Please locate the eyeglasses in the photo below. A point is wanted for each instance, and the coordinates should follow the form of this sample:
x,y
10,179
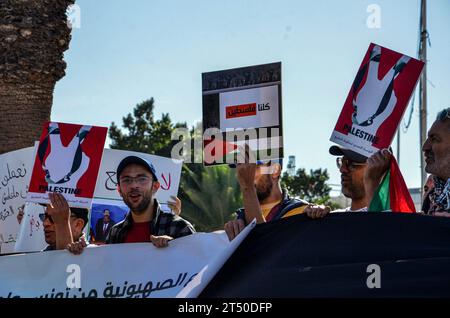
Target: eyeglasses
x,y
142,180
444,114
43,216
351,165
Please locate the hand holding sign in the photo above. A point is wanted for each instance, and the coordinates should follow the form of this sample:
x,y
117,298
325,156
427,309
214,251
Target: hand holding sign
x,y
161,241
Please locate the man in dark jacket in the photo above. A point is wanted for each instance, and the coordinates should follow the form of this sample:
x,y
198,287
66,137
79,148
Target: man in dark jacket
x,y
137,185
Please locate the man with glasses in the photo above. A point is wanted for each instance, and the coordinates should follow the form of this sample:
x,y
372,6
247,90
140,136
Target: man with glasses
x,y
137,185
62,225
352,166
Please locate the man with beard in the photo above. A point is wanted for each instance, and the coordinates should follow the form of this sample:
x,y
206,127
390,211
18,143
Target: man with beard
x,y
352,167
436,149
137,185
264,199
437,157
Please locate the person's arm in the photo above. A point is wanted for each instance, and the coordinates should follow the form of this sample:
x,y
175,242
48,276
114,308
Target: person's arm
x,y
246,177
60,212
377,165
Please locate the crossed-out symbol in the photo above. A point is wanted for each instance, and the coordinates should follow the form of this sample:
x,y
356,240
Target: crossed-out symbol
x,y
111,181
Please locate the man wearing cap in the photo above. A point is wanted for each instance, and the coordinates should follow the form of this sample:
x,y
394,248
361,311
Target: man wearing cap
x,y
264,199
137,185
62,225
352,166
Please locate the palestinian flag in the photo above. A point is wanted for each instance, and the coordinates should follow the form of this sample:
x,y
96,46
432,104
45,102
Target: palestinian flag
x,y
392,194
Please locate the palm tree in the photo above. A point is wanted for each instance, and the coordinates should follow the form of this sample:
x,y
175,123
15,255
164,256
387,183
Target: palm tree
x,y
33,37
212,197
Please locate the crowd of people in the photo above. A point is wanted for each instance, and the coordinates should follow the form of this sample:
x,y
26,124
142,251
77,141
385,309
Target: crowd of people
x,y
263,197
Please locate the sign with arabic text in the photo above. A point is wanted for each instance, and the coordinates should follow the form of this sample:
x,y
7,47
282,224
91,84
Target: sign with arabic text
x,y
137,270
15,172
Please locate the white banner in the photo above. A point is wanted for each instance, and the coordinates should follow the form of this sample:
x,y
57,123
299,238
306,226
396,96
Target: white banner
x,y
249,108
168,172
137,270
15,173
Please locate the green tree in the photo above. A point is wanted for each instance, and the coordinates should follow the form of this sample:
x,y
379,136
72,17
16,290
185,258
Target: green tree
x,y
144,133
311,187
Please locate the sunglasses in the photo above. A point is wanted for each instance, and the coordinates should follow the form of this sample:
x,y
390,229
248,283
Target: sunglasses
x,y
44,216
351,165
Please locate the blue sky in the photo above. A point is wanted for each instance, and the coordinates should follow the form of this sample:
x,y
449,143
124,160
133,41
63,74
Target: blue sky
x,y
128,51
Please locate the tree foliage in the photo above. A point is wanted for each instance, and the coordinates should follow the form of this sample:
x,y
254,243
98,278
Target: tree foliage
x,y
311,186
144,133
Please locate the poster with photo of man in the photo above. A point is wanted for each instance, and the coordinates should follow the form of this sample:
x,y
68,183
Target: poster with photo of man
x,y
242,105
377,100
103,218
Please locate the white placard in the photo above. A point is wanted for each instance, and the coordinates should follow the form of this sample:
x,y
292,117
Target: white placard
x,y
249,108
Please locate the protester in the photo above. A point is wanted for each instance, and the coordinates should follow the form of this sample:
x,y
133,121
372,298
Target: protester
x,y
264,199
62,225
137,185
436,150
352,167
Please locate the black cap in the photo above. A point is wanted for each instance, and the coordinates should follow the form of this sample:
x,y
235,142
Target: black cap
x,y
138,161
350,154
81,213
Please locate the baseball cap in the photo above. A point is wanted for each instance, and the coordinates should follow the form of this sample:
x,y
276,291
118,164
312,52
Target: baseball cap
x,y
136,160
350,154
